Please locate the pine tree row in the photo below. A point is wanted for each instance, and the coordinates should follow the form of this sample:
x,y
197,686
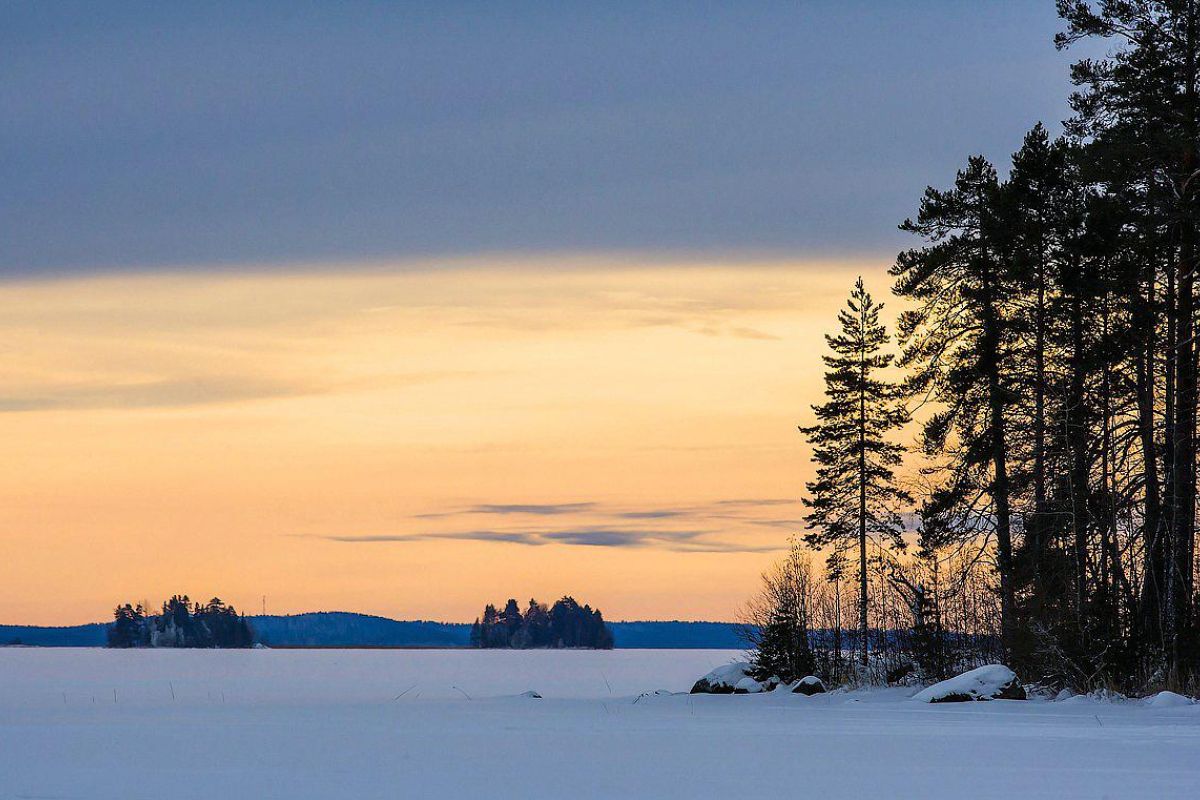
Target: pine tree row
x,y
1047,357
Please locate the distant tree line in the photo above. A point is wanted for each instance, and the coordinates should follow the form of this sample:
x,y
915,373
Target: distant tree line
x,y
565,624
180,624
1048,359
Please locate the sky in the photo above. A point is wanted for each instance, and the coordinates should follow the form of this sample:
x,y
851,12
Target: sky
x,y
407,307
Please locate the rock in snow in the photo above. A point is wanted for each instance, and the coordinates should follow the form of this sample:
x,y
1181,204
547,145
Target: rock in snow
x,y
809,685
1168,700
747,685
992,682
725,679
530,694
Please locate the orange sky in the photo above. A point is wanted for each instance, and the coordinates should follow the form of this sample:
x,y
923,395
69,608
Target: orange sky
x,y
410,440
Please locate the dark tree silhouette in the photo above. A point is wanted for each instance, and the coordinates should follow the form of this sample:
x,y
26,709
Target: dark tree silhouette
x,y
565,624
181,624
855,495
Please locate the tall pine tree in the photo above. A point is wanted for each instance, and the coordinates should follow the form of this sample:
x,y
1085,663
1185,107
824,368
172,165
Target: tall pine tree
x,y
958,340
855,496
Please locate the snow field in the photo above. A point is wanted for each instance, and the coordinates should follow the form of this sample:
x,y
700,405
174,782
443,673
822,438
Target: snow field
x,y
452,724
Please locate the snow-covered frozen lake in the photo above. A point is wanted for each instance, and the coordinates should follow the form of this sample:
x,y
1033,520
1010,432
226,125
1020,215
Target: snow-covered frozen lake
x,y
449,724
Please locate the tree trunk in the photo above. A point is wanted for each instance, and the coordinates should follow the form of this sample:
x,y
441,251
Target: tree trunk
x,y
1038,529
999,456
1154,565
1076,425
862,512
1184,476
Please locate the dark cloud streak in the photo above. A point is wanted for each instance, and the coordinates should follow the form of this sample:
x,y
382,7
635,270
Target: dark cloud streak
x,y
601,526
538,509
696,541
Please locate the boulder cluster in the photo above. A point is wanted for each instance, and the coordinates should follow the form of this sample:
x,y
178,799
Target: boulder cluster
x,y
991,682
735,678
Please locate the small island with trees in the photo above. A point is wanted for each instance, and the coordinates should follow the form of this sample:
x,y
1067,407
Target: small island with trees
x,y
562,625
180,624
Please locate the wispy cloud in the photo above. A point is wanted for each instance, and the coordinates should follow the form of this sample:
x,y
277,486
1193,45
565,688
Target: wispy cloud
x,y
605,524
718,508
664,513
512,509
539,509
509,537
790,524
738,332
608,537
192,390
170,393
387,537
756,501
696,541
754,333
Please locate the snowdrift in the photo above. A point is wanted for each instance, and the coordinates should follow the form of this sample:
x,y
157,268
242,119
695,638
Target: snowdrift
x,y
723,680
809,685
1169,700
732,679
991,682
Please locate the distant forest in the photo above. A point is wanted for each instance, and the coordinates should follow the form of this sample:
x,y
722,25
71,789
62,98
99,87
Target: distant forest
x,y
181,624
565,624
345,629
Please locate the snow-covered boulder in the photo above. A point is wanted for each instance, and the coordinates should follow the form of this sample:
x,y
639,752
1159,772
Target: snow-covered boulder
x,y
1169,700
724,679
809,685
748,685
992,682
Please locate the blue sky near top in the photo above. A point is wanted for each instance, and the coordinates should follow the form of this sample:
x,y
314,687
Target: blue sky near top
x,y
159,135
